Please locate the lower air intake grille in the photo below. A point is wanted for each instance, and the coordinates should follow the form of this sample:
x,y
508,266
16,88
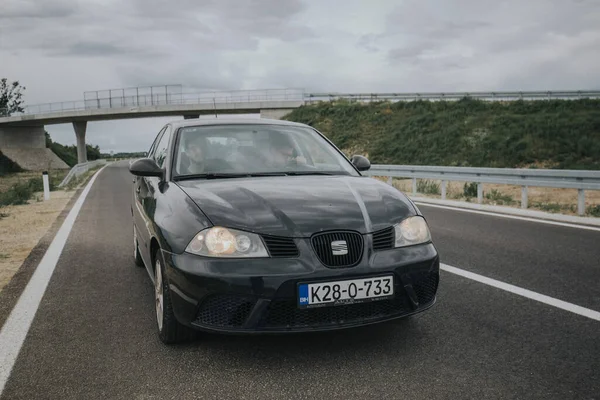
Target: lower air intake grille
x,y
281,246
286,314
225,310
338,249
425,286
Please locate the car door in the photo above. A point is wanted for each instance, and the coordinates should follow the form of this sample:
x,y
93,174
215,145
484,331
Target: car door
x,y
149,190
140,193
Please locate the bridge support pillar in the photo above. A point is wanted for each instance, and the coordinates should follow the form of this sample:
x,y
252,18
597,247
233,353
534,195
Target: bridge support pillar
x,y
80,128
277,113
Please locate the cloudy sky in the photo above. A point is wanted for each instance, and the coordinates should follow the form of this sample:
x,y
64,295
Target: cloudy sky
x,y
59,49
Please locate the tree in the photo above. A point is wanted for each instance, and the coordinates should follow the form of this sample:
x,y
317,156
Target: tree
x,y
10,97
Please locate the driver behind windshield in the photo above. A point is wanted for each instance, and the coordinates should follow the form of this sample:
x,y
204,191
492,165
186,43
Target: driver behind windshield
x,y
282,152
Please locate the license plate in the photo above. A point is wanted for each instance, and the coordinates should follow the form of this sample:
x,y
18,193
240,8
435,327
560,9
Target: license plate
x,y
346,291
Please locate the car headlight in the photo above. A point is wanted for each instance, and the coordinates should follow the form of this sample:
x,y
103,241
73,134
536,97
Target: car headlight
x,y
411,231
223,242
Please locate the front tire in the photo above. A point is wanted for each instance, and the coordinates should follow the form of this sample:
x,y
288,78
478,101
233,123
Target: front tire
x,y
170,331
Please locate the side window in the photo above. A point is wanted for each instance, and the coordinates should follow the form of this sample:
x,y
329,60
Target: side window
x,y
155,142
160,152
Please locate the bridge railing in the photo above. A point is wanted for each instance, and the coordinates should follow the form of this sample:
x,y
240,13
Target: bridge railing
x,y
140,99
567,179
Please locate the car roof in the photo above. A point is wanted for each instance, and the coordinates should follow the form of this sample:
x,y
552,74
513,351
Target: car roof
x,y
231,121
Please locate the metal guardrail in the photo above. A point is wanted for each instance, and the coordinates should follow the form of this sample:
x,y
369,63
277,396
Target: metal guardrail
x,y
496,95
174,94
568,179
80,169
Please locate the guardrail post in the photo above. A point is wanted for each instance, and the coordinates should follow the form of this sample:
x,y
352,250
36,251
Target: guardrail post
x,y
580,201
443,190
414,186
479,193
389,180
523,196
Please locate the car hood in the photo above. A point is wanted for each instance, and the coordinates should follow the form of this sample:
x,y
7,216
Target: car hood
x,y
299,206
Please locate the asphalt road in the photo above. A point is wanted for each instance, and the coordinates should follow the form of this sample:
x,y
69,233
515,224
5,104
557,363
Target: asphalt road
x,y
94,333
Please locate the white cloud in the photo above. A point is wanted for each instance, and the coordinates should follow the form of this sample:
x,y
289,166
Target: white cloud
x,y
61,48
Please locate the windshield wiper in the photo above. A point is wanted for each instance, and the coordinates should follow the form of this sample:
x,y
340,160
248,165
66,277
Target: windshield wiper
x,y
211,175
311,173
224,175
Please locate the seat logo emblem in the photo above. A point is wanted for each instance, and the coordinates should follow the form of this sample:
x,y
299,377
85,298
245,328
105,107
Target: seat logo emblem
x,y
339,247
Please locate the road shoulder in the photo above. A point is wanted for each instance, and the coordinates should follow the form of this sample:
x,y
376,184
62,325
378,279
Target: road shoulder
x,y
10,294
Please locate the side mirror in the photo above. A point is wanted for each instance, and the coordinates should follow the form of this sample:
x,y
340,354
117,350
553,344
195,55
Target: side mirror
x,y
145,167
361,163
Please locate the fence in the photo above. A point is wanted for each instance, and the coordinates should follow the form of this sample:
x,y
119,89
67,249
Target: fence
x,y
162,95
568,179
80,169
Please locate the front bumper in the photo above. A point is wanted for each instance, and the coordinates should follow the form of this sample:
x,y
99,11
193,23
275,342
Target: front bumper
x,y
251,296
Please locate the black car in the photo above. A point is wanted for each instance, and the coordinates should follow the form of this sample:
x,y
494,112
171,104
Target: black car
x,y
256,226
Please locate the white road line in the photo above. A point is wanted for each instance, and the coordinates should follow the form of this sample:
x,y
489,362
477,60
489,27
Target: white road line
x,y
14,331
542,221
586,312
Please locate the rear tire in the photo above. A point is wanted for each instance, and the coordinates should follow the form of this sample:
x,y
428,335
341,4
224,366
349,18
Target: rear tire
x,y
170,331
136,250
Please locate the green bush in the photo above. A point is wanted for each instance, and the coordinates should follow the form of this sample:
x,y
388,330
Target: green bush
x,y
497,196
69,153
426,186
470,189
37,184
19,193
594,211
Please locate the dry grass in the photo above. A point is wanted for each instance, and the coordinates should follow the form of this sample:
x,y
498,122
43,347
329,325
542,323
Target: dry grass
x,y
23,227
7,181
539,198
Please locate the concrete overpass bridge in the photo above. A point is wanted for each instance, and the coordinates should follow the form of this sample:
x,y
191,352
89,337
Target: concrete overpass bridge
x,y
22,136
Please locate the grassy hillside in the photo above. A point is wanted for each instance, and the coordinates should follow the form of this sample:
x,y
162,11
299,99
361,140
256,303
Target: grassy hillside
x,y
544,134
69,153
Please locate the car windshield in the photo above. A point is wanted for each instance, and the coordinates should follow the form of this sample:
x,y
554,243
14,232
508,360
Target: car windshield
x,y
214,151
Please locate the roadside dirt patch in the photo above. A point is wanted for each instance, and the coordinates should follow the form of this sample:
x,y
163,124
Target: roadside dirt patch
x,y
21,228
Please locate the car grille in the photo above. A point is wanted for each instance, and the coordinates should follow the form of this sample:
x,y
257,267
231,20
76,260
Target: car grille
x,y
225,310
281,246
286,314
384,239
322,245
425,286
